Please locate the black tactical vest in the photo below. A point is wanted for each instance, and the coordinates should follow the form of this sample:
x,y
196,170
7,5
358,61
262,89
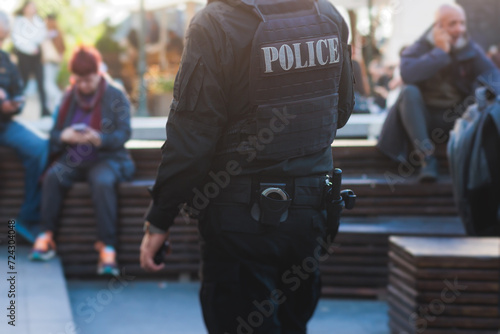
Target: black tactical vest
x,y
295,70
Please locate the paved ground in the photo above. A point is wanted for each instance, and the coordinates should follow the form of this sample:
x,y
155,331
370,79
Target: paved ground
x,y
38,292
131,307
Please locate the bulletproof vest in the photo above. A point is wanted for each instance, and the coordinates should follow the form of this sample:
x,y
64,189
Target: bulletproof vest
x,y
295,68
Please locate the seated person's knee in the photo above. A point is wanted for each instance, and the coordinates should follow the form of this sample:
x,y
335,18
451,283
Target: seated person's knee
x,y
103,180
57,174
411,92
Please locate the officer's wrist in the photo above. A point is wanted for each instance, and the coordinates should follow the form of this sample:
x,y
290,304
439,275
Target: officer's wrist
x,y
160,218
151,229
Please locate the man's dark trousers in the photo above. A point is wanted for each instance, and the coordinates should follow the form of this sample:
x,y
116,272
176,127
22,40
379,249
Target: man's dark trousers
x,y
420,120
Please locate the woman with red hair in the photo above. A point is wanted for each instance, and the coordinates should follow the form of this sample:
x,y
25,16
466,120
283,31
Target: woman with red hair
x,y
87,143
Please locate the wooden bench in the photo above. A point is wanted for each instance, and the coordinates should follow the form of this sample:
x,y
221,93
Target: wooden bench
x,y
374,177
444,285
358,266
356,157
375,198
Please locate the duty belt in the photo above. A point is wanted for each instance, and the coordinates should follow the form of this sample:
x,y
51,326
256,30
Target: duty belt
x,y
269,198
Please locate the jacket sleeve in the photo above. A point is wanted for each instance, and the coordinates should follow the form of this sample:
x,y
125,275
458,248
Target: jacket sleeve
x,y
115,132
419,63
197,117
346,86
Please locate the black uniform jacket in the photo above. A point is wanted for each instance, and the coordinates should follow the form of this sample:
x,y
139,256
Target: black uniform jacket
x,y
212,87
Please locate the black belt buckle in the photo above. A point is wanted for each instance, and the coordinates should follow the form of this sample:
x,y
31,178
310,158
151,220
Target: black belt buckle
x,y
272,206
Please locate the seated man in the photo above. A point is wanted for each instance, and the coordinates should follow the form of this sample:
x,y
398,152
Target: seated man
x,y
440,72
31,147
87,143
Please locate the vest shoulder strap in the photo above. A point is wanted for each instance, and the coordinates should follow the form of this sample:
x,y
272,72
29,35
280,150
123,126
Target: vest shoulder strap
x,y
280,9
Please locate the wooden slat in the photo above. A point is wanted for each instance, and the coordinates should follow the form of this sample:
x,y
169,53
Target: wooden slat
x,y
447,284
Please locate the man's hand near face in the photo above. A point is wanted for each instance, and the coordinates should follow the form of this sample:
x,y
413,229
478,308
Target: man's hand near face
x,y
442,39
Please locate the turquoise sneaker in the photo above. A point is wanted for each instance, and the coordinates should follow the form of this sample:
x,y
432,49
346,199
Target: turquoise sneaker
x,y
107,262
44,248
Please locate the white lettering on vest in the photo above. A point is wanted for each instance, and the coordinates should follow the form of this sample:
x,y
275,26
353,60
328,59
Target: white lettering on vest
x,y
310,47
270,56
320,52
298,56
333,44
286,57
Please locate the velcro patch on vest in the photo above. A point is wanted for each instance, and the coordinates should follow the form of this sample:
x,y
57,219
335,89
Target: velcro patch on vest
x,y
306,54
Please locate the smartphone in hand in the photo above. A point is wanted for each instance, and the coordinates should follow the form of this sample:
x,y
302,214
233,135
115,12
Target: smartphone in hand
x,y
159,257
80,127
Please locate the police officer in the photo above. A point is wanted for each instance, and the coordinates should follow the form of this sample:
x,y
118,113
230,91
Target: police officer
x,y
263,87
31,147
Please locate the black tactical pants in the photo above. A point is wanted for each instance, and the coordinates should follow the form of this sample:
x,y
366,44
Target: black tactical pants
x,y
258,279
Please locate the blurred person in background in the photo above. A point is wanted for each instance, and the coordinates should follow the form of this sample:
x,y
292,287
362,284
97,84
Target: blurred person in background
x,y
30,146
28,34
381,76
87,143
152,28
175,48
439,71
53,50
396,83
362,83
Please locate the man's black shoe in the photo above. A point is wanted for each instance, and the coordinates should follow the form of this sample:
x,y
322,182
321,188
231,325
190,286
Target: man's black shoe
x,y
429,172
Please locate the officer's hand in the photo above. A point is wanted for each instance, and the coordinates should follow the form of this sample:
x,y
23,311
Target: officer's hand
x,y
151,244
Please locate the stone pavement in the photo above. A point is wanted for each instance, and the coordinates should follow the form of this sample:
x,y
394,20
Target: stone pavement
x,y
41,298
130,307
47,304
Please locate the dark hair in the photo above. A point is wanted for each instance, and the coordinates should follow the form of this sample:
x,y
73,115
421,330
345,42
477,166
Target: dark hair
x,y
20,10
85,60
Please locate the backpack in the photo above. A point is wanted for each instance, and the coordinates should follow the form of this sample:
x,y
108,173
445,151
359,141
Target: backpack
x,y
474,156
